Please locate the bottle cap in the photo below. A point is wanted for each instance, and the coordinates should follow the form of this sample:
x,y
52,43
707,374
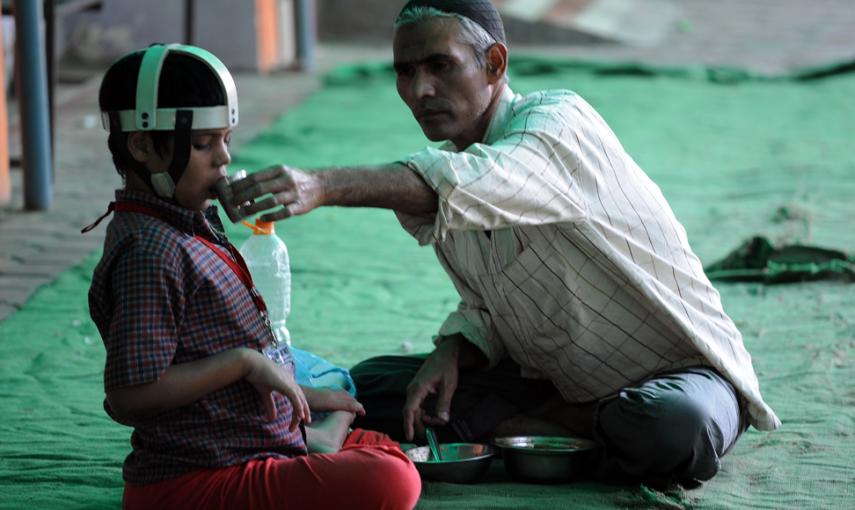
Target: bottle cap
x,y
261,228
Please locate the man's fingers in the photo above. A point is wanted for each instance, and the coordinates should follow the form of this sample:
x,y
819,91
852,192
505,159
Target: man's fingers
x,y
411,416
273,195
433,421
419,425
443,400
408,424
260,205
260,184
256,190
413,407
284,198
281,214
257,177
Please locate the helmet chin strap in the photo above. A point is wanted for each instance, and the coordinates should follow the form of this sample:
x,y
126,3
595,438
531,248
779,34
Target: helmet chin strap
x,y
163,183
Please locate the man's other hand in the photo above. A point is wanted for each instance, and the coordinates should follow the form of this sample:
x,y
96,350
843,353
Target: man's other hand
x,y
437,375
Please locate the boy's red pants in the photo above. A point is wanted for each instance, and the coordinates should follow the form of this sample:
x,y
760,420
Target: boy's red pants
x,y
369,472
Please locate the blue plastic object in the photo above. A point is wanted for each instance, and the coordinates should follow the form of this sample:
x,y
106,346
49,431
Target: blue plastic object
x,y
317,372
312,370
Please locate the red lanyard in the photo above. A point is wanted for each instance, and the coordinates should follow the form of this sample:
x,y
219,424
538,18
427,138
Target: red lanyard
x,y
238,268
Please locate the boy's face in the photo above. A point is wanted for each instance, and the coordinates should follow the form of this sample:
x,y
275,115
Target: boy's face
x,y
209,157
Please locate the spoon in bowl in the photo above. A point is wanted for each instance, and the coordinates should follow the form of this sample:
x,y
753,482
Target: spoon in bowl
x,y
433,443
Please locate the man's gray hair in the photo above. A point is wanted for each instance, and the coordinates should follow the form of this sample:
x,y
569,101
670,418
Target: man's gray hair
x,y
471,33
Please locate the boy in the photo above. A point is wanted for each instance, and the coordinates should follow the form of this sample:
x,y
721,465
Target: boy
x,y
217,424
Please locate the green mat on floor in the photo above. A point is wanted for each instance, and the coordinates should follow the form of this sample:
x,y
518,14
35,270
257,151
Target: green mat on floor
x,y
737,155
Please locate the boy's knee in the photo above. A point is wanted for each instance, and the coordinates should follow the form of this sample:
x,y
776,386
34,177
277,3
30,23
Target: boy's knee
x,y
409,484
392,483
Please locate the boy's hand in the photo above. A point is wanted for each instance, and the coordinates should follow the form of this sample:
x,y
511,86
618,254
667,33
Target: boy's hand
x,y
327,399
268,378
296,191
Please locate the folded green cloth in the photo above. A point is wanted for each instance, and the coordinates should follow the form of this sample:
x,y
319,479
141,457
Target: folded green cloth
x,y
757,260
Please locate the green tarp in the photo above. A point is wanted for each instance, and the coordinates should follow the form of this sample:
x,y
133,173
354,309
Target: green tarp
x,y
737,155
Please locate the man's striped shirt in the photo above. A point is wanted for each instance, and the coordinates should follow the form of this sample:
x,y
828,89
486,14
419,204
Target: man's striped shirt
x,y
568,258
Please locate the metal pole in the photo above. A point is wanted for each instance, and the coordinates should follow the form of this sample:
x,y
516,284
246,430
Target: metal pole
x,y
189,18
33,101
5,178
306,34
50,46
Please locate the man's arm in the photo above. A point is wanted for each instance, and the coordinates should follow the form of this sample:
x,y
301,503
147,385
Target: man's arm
x,y
392,186
184,383
467,354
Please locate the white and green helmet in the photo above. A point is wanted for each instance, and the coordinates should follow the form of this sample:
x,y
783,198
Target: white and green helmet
x,y
148,116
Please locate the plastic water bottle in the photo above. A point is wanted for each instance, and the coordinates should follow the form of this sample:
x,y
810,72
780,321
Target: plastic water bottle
x,y
267,259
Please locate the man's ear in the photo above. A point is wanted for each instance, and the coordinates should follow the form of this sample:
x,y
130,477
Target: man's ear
x,y
497,62
140,146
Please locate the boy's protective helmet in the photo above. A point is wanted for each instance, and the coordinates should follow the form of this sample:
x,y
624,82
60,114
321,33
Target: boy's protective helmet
x,y
147,116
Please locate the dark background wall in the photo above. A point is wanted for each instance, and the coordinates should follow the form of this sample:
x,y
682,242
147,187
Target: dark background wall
x,y
371,23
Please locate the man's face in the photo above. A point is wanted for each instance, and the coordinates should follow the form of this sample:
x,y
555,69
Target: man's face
x,y
440,81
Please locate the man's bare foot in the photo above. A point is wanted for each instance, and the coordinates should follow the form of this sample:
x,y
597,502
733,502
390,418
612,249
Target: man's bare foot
x,y
327,435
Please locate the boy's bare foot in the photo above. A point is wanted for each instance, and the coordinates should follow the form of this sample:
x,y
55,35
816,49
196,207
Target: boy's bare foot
x,y
326,399
327,435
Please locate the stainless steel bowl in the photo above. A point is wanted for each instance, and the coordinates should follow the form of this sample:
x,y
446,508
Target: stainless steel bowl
x,y
461,462
545,459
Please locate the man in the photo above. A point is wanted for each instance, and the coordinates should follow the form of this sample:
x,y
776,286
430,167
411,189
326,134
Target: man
x,y
583,309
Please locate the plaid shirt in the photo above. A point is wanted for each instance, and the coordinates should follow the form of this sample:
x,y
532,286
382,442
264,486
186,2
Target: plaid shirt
x,y
161,297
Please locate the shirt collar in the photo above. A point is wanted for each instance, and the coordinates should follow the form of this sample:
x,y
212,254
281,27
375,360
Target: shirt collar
x,y
500,116
496,126
192,222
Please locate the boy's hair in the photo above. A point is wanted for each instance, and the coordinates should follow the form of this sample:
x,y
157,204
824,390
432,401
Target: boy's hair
x,y
184,82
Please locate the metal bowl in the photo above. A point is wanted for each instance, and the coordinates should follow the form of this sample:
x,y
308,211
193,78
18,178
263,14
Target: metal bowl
x,y
461,462
545,459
